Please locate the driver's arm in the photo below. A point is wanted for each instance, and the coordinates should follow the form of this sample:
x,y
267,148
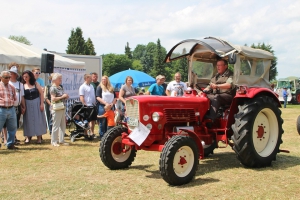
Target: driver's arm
x,y
224,86
227,85
208,87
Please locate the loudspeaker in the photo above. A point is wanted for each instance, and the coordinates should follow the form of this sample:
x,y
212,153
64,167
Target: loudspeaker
x,y
47,64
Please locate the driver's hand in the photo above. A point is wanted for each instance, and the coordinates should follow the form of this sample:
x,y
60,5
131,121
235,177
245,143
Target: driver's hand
x,y
204,91
213,86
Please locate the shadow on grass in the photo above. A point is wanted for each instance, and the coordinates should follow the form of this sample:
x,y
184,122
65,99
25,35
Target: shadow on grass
x,y
139,167
23,148
155,174
218,162
228,160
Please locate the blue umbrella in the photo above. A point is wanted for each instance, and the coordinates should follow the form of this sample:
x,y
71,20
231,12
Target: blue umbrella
x,y
140,79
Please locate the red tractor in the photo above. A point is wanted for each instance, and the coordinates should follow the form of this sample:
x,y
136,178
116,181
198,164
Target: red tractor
x,y
175,126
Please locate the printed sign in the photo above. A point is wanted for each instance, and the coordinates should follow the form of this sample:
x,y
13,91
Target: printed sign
x,y
72,79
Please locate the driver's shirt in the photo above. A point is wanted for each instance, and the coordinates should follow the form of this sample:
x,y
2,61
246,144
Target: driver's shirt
x,y
226,77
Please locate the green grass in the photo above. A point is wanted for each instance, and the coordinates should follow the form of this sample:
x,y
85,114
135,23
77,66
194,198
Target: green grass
x,y
76,172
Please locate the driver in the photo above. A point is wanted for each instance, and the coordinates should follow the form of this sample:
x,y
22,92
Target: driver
x,y
219,90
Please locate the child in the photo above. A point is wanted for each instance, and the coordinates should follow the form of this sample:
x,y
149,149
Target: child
x,y
79,121
110,116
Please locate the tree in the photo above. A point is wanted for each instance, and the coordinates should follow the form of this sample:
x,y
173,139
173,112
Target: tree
x,y
90,49
20,38
128,52
158,64
147,59
114,63
137,65
139,51
273,68
76,43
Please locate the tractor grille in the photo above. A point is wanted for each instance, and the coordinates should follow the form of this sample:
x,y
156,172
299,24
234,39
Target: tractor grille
x,y
132,110
180,115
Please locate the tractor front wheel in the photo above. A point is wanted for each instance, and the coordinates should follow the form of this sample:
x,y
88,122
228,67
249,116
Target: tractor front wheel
x,y
113,154
257,132
178,161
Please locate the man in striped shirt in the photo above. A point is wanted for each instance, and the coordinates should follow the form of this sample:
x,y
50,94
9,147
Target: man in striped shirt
x,y
7,109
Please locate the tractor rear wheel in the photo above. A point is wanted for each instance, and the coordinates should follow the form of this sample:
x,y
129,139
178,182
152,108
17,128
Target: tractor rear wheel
x,y
298,124
178,161
111,152
257,132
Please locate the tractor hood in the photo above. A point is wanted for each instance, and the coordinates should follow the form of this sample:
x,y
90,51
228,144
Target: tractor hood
x,y
187,99
150,103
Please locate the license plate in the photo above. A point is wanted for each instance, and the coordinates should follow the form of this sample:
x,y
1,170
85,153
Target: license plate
x,y
133,122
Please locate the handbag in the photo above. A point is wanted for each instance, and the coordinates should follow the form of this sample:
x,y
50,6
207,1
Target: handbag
x,y
58,106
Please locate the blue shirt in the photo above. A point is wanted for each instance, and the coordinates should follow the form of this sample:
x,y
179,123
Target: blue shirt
x,y
285,93
41,82
156,89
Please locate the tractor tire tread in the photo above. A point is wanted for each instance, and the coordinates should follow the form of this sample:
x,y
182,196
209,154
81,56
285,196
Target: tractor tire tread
x,y
166,160
242,132
105,149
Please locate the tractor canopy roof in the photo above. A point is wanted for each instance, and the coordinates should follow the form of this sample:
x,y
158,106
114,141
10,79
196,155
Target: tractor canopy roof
x,y
210,48
251,66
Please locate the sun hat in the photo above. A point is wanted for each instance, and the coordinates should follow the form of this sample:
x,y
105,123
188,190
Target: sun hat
x,y
14,69
160,77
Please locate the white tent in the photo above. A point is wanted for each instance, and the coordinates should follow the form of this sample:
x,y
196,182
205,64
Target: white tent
x,y
29,56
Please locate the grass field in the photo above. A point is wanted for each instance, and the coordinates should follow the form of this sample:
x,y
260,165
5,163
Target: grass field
x,y
76,172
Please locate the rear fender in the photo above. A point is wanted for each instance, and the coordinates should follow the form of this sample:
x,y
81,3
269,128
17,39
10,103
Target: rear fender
x,y
251,93
193,135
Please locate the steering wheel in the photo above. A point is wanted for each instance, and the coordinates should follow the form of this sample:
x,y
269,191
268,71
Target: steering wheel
x,y
199,88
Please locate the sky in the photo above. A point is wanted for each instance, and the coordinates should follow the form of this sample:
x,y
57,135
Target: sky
x,y
111,24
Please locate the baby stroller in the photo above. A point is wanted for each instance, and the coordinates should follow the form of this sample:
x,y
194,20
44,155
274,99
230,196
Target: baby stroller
x,y
77,115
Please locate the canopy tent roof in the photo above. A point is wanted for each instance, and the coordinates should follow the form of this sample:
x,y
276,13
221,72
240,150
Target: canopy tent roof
x,y
12,51
140,79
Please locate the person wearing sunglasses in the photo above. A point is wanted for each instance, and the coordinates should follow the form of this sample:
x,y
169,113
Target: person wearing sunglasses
x,y
7,109
36,72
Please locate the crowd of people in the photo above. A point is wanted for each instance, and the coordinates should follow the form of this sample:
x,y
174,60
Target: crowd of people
x,y
27,95
44,106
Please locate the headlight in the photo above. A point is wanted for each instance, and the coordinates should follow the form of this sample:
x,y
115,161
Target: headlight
x,y
155,116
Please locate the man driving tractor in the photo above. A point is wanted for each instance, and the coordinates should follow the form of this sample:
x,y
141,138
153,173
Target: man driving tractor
x,y
219,91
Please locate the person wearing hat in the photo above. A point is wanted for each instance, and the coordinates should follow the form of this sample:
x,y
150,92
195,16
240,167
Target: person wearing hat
x,y
19,103
7,110
157,88
285,94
